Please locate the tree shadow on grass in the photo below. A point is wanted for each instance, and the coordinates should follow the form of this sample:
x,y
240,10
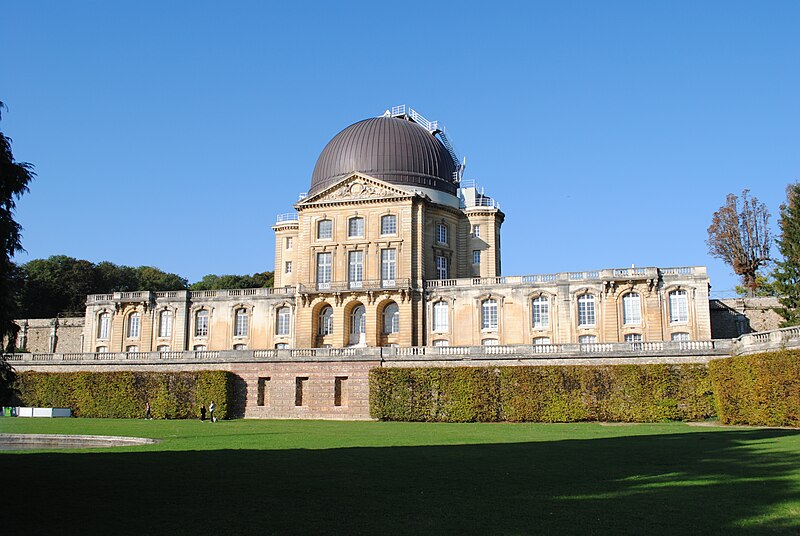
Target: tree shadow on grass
x,y
707,482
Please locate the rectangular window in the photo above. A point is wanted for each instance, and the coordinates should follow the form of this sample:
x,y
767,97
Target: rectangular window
x,y
162,348
441,267
355,228
586,310
441,342
263,392
389,224
325,229
133,326
388,266
200,348
633,337
631,309
324,270
541,340
240,347
489,314
299,385
339,394
289,242
678,306
541,312
132,348
165,324
680,336
476,257
288,267
490,342
240,329
440,313
284,320
441,233
201,324
355,271
102,349
281,346
476,231
587,339
104,328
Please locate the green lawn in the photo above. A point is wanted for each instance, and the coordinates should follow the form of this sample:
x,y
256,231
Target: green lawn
x,y
313,477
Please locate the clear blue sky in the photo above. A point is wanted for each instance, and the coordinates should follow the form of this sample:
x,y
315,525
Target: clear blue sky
x,y
172,133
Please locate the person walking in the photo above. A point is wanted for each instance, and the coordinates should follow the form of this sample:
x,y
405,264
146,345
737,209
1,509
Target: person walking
x,y
147,411
203,412
211,408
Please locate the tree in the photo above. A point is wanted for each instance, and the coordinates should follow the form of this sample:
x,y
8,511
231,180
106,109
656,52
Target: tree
x,y
787,270
739,235
217,282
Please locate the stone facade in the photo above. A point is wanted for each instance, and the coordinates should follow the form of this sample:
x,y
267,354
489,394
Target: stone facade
x,y
738,316
50,334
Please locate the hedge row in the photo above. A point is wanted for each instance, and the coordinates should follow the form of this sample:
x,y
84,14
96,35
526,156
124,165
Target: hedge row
x,y
760,389
172,395
622,393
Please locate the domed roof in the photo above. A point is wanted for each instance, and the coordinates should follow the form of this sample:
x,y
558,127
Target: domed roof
x,y
392,149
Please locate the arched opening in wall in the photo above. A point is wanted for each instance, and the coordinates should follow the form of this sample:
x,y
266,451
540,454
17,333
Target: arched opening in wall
x,y
322,325
389,323
358,325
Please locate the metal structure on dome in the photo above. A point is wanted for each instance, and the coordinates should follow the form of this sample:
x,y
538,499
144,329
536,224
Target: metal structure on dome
x,y
407,112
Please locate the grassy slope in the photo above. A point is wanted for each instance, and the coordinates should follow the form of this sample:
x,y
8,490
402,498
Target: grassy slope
x,y
310,477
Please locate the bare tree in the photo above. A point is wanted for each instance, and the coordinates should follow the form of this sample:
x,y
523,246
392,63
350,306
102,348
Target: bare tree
x,y
739,235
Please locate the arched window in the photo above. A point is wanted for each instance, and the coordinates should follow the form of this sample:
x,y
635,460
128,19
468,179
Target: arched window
x,y
391,319
284,317
489,314
633,337
134,322
540,308
165,324
440,314
162,348
103,325
490,342
680,336
355,228
586,310
326,320
201,323
631,309
358,320
678,306
587,339
240,322
324,229
389,224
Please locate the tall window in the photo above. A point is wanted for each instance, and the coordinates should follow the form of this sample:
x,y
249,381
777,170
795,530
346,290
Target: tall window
x,y
476,231
288,268
476,256
631,309
240,323
540,308
103,325
358,320
489,314
165,324
289,242
441,267
391,319
389,224
355,272
441,233
326,320
134,321
325,229
440,313
678,306
201,323
324,270
355,227
586,310
388,265
284,317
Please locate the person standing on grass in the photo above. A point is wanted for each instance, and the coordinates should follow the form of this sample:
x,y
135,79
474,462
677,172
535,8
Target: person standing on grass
x,y
203,412
211,408
147,411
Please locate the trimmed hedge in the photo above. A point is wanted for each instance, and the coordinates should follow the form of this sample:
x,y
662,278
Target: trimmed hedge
x,y
759,389
621,393
172,395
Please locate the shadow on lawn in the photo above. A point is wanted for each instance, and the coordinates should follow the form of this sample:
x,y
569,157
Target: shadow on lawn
x,y
704,482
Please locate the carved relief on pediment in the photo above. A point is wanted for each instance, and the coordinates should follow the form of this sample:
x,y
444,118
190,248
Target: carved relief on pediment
x,y
361,189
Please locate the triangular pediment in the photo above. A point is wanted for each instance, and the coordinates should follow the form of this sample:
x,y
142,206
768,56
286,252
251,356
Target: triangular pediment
x,y
357,187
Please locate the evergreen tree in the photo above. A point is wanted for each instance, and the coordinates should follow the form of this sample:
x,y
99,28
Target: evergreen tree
x,y
787,270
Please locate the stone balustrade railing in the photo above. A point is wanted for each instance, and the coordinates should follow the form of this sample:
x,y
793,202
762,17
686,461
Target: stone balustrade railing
x,y
144,295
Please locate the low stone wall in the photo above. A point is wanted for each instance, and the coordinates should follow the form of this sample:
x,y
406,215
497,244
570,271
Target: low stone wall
x,y
733,317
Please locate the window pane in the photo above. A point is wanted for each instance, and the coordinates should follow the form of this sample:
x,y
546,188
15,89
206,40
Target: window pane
x,y
680,336
165,324
391,319
476,231
104,325
388,264
355,227
489,314
284,320
476,257
358,320
441,233
355,273
326,321
201,324
678,306
133,325
440,310
541,340
633,337
441,267
587,339
325,229
324,269
389,224
586,310
541,312
632,309
240,329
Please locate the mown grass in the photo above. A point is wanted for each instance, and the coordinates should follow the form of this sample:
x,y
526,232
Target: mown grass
x,y
314,477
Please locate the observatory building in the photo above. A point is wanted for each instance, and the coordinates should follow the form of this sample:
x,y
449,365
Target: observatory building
x,y
390,247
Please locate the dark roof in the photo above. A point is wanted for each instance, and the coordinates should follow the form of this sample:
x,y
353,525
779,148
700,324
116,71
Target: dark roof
x,y
388,148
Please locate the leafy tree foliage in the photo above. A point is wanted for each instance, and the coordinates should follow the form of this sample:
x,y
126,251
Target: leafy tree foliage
x,y
765,287
14,179
787,270
216,282
60,284
739,235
